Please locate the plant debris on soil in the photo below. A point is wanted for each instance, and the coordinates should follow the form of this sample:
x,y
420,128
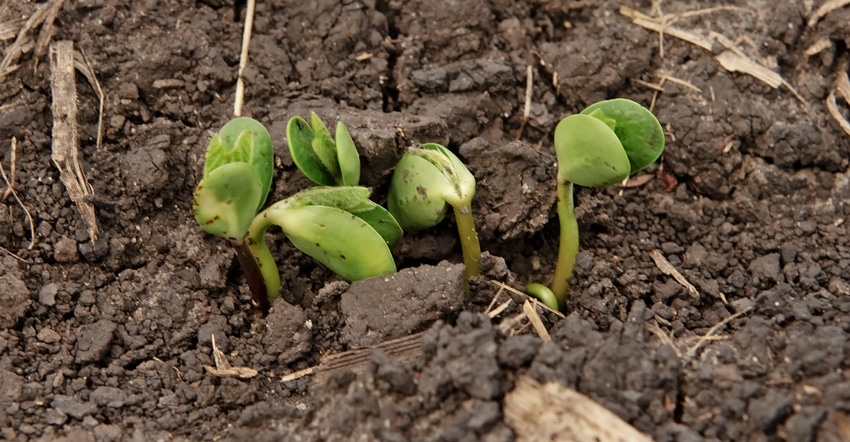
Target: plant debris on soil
x,y
711,298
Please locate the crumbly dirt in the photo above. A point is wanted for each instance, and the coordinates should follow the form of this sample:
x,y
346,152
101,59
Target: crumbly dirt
x,y
108,341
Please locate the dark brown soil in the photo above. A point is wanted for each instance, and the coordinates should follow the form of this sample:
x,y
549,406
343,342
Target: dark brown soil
x,y
108,341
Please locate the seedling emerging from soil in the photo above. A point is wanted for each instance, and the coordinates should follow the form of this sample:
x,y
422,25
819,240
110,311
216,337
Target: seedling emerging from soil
x,y
237,176
238,171
338,226
425,183
326,161
601,146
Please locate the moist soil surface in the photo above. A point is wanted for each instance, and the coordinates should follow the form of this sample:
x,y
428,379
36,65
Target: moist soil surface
x,y
108,339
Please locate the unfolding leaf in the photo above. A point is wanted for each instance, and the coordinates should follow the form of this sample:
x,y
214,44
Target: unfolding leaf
x,y
226,200
589,152
324,160
343,242
636,127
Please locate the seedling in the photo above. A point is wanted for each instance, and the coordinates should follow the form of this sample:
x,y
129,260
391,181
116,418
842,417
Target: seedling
x,y
339,227
601,146
425,183
238,171
324,160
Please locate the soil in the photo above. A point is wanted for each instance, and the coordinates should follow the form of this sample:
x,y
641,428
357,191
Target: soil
x,y
108,340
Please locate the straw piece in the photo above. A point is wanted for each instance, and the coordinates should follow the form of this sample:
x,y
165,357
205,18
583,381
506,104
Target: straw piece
x,y
64,150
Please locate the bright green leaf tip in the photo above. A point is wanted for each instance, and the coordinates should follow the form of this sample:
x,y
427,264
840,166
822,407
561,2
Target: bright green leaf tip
x,y
324,160
636,127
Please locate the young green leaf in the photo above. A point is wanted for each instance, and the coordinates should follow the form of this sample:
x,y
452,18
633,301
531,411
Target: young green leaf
x,y
425,182
354,200
344,243
601,146
225,201
325,161
637,129
347,155
238,171
337,226
589,152
244,140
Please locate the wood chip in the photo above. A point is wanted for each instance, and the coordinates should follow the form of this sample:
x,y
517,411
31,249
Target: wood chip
x,y
552,412
223,369
65,142
168,83
363,56
668,269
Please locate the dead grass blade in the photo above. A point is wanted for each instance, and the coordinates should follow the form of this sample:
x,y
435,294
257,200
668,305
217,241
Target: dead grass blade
x,y
732,59
223,368
710,334
526,110
668,269
82,64
243,58
536,322
525,295
44,15
9,28
65,149
405,350
825,9
842,87
10,190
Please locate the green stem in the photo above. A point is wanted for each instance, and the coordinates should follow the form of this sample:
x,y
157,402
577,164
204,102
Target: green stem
x,y
468,242
568,248
254,276
256,242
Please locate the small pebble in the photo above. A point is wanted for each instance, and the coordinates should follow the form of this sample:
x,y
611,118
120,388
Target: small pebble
x,y
48,335
47,294
65,250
